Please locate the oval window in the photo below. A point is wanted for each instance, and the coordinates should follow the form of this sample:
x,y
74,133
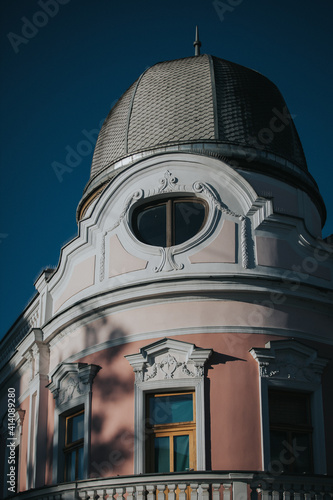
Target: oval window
x,y
169,222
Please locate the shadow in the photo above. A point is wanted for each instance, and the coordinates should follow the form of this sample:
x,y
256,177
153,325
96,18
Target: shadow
x,y
110,456
215,359
218,359
208,432
250,244
11,461
112,425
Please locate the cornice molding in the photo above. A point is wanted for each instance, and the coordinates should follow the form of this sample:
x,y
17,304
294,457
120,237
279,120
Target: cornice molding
x,y
71,380
168,359
289,360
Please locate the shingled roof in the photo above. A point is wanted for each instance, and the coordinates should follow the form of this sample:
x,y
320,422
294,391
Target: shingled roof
x,y
196,99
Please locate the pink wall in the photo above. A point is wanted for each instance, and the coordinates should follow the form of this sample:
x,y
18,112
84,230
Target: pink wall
x,y
112,413
232,391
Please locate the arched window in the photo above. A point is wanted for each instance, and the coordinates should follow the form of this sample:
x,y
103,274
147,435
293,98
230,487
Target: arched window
x,y
169,221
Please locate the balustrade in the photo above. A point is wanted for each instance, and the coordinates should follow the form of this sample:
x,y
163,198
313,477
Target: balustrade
x,y
190,486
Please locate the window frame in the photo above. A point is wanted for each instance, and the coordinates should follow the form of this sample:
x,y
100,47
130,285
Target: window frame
x,y
292,429
274,361
170,202
170,430
71,386
73,446
189,376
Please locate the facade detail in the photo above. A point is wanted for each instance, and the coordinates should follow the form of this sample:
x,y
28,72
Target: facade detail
x,y
71,386
168,365
182,348
289,360
291,366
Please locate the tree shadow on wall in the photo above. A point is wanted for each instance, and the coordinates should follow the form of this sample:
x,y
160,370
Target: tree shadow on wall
x,y
112,428
215,359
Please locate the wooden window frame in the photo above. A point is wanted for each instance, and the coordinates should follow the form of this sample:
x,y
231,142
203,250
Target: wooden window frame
x,y
73,446
171,430
169,203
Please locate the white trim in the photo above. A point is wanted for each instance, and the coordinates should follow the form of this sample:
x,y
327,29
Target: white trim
x,y
32,438
71,386
186,373
232,330
122,298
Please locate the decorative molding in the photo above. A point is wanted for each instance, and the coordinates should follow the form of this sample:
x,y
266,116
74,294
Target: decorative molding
x,y
290,365
129,202
72,380
169,183
203,187
168,262
20,414
289,360
71,386
168,359
167,368
168,365
19,419
102,258
28,321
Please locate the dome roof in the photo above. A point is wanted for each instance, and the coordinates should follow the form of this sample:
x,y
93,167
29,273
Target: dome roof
x,y
200,98
201,104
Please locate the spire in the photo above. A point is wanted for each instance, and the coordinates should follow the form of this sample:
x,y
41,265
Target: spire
x,y
197,43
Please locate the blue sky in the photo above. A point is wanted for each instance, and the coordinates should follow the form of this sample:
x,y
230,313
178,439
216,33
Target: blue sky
x,y
61,78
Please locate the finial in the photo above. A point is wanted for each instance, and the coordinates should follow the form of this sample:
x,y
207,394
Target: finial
x,y
197,43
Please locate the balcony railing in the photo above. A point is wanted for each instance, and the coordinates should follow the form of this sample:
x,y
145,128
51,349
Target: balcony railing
x,y
190,486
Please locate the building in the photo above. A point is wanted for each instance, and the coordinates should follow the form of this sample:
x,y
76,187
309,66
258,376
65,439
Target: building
x,y
183,345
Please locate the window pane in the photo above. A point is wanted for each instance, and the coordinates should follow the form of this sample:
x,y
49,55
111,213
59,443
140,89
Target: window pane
x,y
171,409
189,217
292,451
70,466
181,449
278,448
289,408
75,428
151,226
80,464
302,445
162,454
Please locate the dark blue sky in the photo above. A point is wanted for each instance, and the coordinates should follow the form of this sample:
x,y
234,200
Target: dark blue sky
x,y
64,78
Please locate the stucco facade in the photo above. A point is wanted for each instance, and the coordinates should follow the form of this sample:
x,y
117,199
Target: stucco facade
x,y
239,310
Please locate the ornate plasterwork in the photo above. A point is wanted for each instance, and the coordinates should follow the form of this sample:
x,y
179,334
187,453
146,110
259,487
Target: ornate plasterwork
x,y
289,360
162,366
168,359
169,183
72,380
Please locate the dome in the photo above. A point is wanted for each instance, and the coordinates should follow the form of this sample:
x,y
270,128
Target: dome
x,y
201,104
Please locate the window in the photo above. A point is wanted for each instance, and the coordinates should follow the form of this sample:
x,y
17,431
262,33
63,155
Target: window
x,y
290,430
292,417
170,398
170,221
73,449
171,432
71,386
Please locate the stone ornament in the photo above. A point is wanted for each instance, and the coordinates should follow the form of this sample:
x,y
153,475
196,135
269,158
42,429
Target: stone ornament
x,y
169,183
168,359
289,360
71,380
